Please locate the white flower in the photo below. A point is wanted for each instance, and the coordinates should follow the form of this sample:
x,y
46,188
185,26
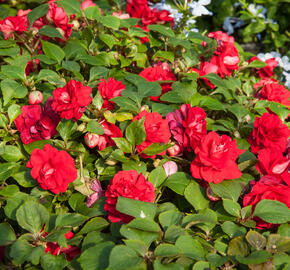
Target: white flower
x,y
198,8
256,9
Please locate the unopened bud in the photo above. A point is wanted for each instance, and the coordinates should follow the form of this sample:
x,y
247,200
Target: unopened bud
x,y
156,162
170,168
174,150
145,108
35,97
247,118
76,24
91,139
237,134
211,195
111,162
81,127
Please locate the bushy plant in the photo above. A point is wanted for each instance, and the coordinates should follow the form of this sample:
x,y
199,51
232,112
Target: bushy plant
x,y
130,140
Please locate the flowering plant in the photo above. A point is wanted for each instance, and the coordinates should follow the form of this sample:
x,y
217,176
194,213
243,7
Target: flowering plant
x,y
131,141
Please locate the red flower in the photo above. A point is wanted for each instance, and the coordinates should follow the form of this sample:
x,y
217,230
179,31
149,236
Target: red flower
x,y
215,159
105,140
273,91
71,100
52,169
128,184
158,73
267,71
156,128
187,126
36,123
110,89
226,55
206,68
269,132
267,188
272,162
16,24
54,248
35,97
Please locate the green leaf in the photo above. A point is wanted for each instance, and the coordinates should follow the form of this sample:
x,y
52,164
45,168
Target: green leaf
x,y
157,176
13,72
211,103
215,79
96,257
20,251
50,31
278,243
155,149
232,207
178,182
201,265
98,72
123,144
13,111
49,261
144,224
31,216
137,245
190,247
71,66
53,51
110,21
272,211
95,127
238,247
109,40
95,224
164,30
228,189
7,234
37,144
123,257
12,153
70,219
6,169
125,103
147,89
23,177
256,240
135,132
257,64
170,217
166,250
136,208
164,55
238,110
36,13
12,89
233,230
196,196
92,13
66,128
256,257
14,203
70,6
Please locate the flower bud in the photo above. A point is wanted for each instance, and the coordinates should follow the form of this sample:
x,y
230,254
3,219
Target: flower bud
x,y
211,195
170,168
99,192
237,134
111,162
91,139
81,127
174,150
247,118
35,97
145,108
76,24
156,162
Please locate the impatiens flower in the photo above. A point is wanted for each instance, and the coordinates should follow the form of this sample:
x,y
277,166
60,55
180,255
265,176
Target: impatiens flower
x,y
13,24
105,140
35,97
98,192
270,188
36,123
110,89
54,248
158,73
52,169
187,126
170,167
273,91
215,159
156,128
87,3
272,162
71,100
267,71
206,68
128,184
269,132
174,150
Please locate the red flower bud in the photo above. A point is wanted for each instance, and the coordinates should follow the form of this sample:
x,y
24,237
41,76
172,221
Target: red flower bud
x,y
35,97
